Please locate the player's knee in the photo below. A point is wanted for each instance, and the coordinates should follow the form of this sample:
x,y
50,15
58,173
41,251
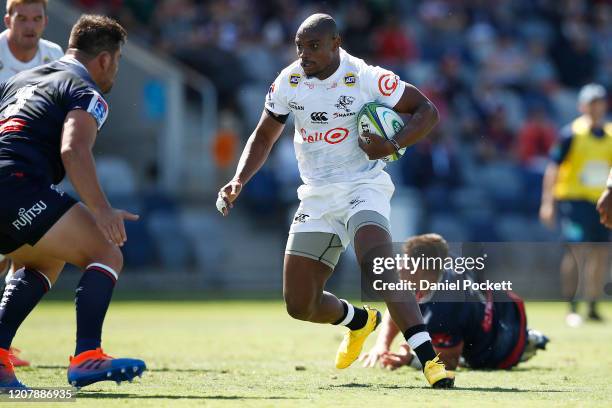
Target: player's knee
x,y
110,256
299,309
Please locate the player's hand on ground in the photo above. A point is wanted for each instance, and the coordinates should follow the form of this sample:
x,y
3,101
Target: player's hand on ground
x,y
373,356
227,195
392,361
111,223
547,214
604,206
375,146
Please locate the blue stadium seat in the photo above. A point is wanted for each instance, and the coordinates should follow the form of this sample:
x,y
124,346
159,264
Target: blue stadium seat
x,y
173,248
139,250
450,227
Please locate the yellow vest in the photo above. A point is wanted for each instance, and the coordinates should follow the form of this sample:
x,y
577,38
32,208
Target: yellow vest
x,y
584,171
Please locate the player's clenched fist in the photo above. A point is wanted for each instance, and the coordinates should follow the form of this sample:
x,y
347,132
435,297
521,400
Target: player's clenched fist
x,y
227,195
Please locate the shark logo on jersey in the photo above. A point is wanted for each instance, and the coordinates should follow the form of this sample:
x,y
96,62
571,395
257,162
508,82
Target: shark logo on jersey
x,y
344,102
98,108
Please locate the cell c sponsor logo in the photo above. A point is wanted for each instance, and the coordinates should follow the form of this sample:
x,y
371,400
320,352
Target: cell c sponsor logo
x,y
387,84
336,135
332,136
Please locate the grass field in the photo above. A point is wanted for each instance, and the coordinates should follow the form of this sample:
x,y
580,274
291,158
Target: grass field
x,y
240,353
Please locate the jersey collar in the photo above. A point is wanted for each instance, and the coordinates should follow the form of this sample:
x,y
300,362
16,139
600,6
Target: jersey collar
x,y
67,59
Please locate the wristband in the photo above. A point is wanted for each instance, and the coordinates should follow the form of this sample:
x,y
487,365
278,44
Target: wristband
x,y
396,145
609,182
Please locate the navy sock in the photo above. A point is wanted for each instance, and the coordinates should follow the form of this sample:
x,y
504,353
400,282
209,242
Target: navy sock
x,y
21,294
93,296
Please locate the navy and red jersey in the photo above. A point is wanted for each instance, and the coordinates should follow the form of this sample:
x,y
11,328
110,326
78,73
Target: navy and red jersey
x,y
491,327
33,107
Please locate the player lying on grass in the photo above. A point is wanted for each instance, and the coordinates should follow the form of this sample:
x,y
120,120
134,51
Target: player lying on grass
x,y
346,193
50,119
467,327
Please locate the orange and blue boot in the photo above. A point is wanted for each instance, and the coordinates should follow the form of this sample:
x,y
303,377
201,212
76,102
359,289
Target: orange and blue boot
x,y
92,366
8,380
16,360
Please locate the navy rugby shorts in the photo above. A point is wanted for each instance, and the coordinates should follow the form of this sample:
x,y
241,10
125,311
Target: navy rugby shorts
x,y
29,207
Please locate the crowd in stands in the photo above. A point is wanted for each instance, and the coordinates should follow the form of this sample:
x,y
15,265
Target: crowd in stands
x,y
504,75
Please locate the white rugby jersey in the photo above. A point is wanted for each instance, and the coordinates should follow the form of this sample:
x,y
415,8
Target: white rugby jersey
x,y
325,116
9,65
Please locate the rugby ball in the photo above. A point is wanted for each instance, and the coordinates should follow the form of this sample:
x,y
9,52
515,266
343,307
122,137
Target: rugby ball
x,y
380,120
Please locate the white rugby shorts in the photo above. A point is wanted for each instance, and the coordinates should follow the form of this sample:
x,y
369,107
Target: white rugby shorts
x,y
328,208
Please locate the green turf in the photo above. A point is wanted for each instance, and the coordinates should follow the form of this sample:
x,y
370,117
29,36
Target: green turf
x,y
252,354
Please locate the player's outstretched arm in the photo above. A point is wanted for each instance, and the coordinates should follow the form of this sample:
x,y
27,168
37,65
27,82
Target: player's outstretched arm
x,y
78,137
388,332
253,156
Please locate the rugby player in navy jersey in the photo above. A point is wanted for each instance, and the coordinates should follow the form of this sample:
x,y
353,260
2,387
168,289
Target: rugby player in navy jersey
x,y
479,329
22,47
49,119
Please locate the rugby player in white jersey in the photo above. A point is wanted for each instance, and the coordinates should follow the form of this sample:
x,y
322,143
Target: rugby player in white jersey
x,y
22,47
346,194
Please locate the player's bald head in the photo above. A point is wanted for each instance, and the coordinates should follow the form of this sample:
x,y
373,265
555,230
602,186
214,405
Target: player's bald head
x,y
318,45
319,24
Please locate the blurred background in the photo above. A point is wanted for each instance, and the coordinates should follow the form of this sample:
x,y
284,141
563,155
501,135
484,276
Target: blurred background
x,y
504,76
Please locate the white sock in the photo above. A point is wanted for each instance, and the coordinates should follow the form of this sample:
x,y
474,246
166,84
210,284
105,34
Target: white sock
x,y
417,339
349,314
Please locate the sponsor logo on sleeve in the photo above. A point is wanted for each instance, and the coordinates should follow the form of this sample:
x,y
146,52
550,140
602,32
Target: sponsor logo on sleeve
x,y
98,108
270,92
294,80
350,79
387,84
295,106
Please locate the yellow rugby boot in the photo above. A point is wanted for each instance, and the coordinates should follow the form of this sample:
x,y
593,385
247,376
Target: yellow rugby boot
x,y
351,345
437,375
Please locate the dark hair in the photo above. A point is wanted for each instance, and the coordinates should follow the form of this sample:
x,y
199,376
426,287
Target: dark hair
x,y
93,34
